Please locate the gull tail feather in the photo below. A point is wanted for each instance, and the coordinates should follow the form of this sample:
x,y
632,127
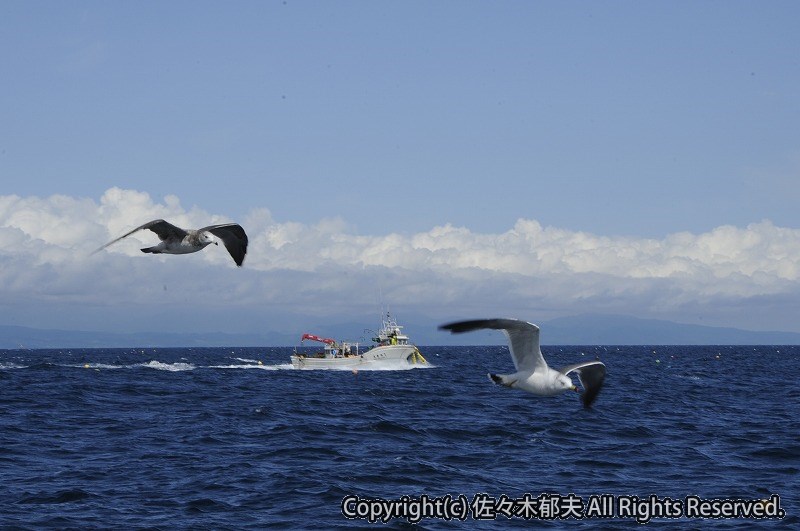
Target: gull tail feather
x,y
500,379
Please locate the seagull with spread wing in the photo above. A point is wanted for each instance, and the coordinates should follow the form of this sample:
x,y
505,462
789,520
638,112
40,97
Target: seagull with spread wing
x,y
175,240
533,374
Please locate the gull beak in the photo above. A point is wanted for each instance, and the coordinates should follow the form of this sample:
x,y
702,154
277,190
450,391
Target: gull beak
x,y
575,388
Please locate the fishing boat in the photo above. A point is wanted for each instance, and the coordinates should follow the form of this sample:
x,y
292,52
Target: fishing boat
x,y
391,346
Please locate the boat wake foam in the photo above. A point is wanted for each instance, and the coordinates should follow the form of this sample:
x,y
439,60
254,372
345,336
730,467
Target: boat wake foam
x,y
172,367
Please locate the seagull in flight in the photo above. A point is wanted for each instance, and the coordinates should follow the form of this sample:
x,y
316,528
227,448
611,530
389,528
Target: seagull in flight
x,y
175,240
533,374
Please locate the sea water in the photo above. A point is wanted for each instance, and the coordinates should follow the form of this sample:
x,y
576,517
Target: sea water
x,y
233,438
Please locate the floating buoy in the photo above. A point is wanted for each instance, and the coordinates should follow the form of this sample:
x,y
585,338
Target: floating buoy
x,y
85,365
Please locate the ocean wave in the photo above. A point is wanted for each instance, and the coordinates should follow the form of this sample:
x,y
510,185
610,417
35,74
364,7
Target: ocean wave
x,y
172,367
220,448
62,496
98,366
245,360
249,366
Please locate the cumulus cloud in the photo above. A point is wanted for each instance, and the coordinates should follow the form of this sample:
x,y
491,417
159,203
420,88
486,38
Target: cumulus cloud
x,y
326,268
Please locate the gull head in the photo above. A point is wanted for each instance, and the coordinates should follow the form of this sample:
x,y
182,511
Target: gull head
x,y
205,239
564,383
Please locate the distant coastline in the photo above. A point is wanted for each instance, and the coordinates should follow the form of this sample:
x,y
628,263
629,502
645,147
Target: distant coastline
x,y
575,330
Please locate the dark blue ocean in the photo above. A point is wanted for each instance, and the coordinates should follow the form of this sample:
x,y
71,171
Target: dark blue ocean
x,y
233,438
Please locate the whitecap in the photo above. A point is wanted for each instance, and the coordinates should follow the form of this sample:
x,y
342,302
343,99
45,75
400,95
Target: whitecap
x,y
173,367
245,360
247,366
97,366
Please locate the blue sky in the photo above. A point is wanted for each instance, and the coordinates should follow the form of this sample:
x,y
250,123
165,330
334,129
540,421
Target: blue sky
x,y
632,134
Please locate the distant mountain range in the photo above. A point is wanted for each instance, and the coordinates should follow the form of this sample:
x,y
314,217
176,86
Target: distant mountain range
x,y
624,330
23,337
576,330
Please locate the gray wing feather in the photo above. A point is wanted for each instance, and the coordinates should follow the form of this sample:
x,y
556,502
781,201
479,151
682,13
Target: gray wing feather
x,y
163,229
592,374
523,339
233,236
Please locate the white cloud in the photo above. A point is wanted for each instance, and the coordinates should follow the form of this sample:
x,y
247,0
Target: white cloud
x,y
326,269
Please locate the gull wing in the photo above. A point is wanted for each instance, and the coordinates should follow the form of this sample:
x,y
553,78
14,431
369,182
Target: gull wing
x,y
163,229
523,339
591,374
234,238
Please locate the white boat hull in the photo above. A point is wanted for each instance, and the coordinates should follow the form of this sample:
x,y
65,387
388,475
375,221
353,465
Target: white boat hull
x,y
401,354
